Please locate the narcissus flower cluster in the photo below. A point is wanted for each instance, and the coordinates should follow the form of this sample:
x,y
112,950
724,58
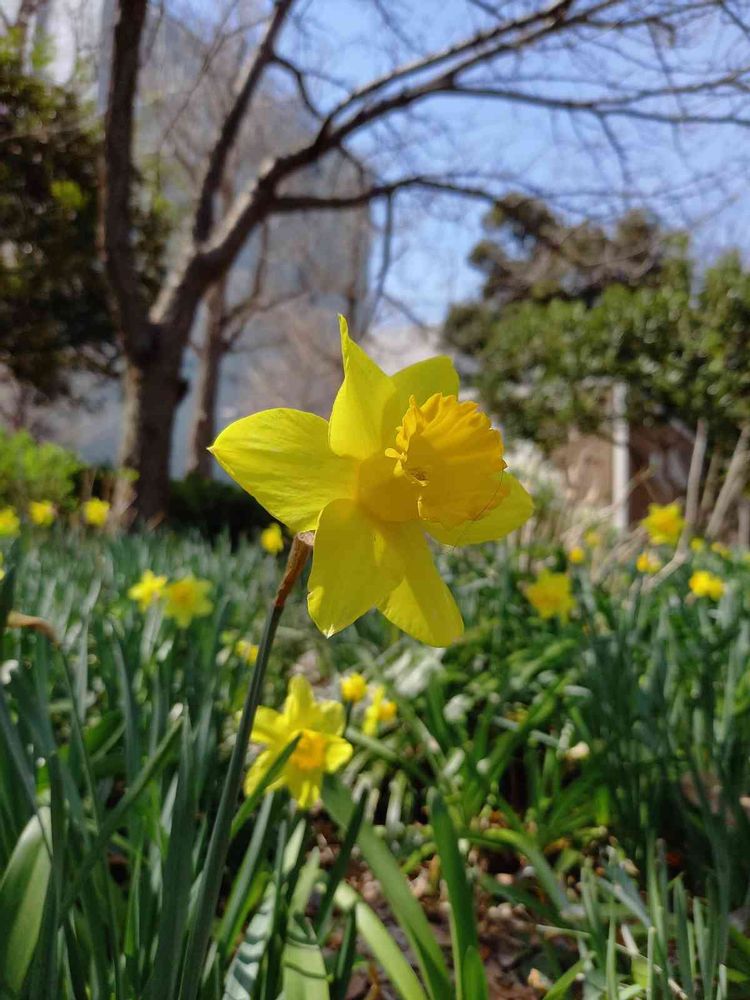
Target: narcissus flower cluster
x,y
664,523
705,584
321,748
272,539
647,562
401,459
95,512
42,513
10,523
184,599
550,595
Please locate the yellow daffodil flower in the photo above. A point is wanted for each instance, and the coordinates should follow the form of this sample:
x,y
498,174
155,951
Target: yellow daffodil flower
x,y
186,599
380,710
697,544
246,651
550,595
42,513
96,512
705,584
400,458
664,523
353,688
576,555
592,538
321,748
721,550
10,523
647,562
149,588
272,539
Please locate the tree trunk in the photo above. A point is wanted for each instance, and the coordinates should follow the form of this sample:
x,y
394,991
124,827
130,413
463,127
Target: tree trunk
x,y
151,391
203,430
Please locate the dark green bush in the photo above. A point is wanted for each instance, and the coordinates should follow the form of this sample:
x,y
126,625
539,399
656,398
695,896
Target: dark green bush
x,y
212,507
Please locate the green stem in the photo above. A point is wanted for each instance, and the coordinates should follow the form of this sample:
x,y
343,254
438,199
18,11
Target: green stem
x,y
210,885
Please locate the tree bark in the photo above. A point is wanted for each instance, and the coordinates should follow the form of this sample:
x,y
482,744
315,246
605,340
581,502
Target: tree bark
x,y
152,389
203,431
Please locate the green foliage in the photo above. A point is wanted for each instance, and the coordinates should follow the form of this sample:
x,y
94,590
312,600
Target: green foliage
x,y
679,344
54,312
213,507
33,471
625,861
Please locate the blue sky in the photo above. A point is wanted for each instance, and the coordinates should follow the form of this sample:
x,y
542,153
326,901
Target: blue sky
x,y
663,169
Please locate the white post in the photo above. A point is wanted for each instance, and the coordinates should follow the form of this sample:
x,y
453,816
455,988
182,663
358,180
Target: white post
x,y
620,456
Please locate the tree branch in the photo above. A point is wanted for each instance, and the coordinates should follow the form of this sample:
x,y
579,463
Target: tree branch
x,y
230,127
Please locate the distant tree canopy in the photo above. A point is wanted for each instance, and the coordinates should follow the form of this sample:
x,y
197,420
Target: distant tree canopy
x,y
54,313
568,310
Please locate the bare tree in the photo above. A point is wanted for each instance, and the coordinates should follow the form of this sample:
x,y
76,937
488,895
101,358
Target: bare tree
x,y
380,125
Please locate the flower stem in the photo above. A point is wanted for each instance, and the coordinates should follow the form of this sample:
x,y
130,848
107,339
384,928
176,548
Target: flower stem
x,y
210,884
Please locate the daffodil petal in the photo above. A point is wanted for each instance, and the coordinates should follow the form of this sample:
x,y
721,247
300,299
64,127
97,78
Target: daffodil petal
x,y
357,420
269,726
329,717
338,752
304,787
282,458
515,508
353,566
421,604
423,380
299,704
258,769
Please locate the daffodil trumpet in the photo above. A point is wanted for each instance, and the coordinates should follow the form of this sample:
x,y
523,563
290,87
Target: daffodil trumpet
x,y
400,460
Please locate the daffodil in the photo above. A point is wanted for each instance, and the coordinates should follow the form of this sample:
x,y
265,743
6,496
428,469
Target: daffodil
x,y
10,523
664,523
592,538
705,584
321,748
96,512
380,710
272,539
353,687
721,550
400,459
247,651
42,513
550,595
647,562
697,544
149,589
576,555
186,599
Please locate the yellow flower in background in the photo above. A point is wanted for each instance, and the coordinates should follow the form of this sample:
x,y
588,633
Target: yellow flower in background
x,y
272,539
400,459
577,555
380,710
42,513
721,550
647,562
592,538
664,523
705,584
353,688
96,512
321,748
186,599
246,651
10,523
550,595
149,588
697,544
